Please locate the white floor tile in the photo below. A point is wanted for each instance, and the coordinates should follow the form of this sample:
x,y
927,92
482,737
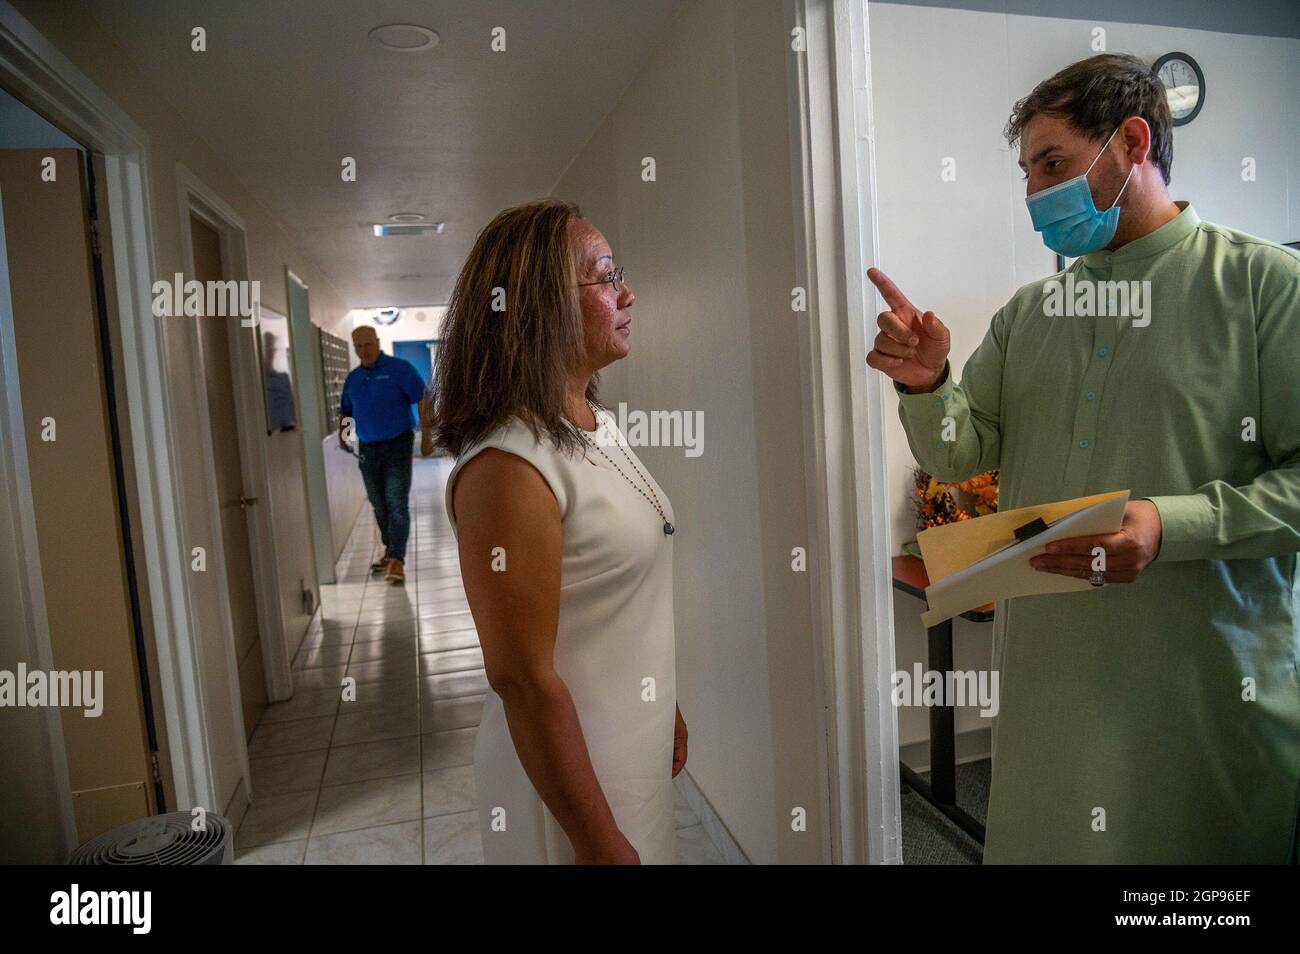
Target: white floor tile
x,y
402,629
451,660
305,704
449,685
384,758
448,640
367,804
442,714
326,677
283,853
377,723
450,790
448,749
383,695
384,670
453,840
283,738
284,774
276,818
397,844
384,649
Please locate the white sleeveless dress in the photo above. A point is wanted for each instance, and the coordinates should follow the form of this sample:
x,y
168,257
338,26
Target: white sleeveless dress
x,y
614,649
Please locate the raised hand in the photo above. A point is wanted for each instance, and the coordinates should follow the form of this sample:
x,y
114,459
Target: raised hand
x,y
912,346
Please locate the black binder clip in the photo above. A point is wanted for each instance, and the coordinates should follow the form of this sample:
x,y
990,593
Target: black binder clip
x,y
1032,529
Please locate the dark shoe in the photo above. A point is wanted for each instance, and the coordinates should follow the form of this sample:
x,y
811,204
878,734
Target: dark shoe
x,y
396,572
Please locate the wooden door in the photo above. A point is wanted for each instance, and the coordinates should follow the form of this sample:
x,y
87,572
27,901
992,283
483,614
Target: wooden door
x,y
231,496
60,354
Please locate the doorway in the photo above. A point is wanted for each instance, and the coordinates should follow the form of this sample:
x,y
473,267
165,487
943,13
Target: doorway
x,y
422,354
69,465
233,499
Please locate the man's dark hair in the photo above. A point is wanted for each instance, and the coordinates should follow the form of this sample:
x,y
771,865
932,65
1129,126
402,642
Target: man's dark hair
x,y
1097,94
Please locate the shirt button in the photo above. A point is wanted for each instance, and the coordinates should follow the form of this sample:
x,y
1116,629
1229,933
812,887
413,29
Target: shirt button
x,y
1109,257
1102,352
1092,395
1084,443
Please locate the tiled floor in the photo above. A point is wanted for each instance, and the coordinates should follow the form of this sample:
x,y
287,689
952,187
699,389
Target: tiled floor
x,y
387,778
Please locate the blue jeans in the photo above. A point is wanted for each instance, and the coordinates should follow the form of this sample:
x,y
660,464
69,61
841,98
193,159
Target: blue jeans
x,y
386,470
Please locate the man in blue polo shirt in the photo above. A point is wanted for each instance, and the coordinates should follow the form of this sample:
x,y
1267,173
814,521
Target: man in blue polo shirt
x,y
377,396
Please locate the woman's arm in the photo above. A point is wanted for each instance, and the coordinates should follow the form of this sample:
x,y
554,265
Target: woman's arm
x,y
501,501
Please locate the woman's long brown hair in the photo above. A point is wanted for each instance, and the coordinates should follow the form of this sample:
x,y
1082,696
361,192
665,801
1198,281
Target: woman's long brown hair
x,y
497,364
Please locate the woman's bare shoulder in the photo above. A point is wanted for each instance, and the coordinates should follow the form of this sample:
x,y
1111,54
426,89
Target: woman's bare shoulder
x,y
495,478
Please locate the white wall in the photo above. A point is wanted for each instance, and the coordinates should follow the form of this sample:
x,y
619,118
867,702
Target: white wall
x,y
417,323
944,83
345,489
709,252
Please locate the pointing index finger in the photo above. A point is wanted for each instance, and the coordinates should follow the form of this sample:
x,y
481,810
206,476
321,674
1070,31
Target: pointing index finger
x,y
896,300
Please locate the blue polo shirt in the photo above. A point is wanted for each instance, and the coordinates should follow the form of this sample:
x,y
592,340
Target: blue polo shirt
x,y
379,398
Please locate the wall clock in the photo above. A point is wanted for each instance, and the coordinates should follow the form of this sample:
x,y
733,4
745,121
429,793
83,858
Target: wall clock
x,y
1184,84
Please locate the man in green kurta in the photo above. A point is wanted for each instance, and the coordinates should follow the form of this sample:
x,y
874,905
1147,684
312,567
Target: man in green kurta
x,y
1155,718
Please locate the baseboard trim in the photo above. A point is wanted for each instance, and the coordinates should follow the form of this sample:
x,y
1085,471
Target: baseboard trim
x,y
971,745
238,806
712,824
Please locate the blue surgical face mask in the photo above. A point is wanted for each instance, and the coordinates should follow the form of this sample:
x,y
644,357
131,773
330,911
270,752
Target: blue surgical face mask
x,y
1067,218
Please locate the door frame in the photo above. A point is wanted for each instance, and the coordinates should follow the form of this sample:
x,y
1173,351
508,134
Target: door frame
x,y
194,197
844,407
40,74
311,426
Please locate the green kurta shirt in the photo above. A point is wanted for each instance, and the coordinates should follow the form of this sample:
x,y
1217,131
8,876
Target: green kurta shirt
x,y
1171,703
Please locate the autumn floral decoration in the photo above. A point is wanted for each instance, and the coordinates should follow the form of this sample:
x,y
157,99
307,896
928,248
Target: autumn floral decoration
x,y
938,502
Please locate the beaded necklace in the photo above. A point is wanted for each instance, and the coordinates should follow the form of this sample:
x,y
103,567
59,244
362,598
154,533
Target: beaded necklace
x,y
669,529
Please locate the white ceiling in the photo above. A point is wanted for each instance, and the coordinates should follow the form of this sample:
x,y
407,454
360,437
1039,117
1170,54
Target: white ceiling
x,y
287,89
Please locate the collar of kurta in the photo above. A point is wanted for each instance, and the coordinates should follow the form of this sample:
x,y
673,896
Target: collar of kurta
x,y
1168,235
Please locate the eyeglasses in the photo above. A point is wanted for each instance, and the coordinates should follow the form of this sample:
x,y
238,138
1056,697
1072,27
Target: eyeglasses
x,y
615,278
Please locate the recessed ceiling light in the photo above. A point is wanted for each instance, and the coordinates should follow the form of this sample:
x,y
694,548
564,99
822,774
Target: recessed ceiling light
x,y
408,228
404,37
407,217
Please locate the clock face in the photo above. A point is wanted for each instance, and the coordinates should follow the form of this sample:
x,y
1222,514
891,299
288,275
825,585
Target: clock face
x,y
1182,82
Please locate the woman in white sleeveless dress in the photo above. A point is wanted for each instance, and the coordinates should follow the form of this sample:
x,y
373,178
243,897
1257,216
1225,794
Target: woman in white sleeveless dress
x,y
565,545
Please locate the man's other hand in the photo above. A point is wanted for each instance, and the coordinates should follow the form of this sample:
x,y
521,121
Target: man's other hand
x,y
1129,550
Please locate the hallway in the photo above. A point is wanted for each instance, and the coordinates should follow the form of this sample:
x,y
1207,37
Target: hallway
x,y
388,778
229,281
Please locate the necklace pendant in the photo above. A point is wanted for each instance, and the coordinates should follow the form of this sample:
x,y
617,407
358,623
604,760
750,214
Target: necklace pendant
x,y
669,528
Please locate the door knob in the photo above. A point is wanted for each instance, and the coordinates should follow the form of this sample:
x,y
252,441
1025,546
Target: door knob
x,y
246,502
